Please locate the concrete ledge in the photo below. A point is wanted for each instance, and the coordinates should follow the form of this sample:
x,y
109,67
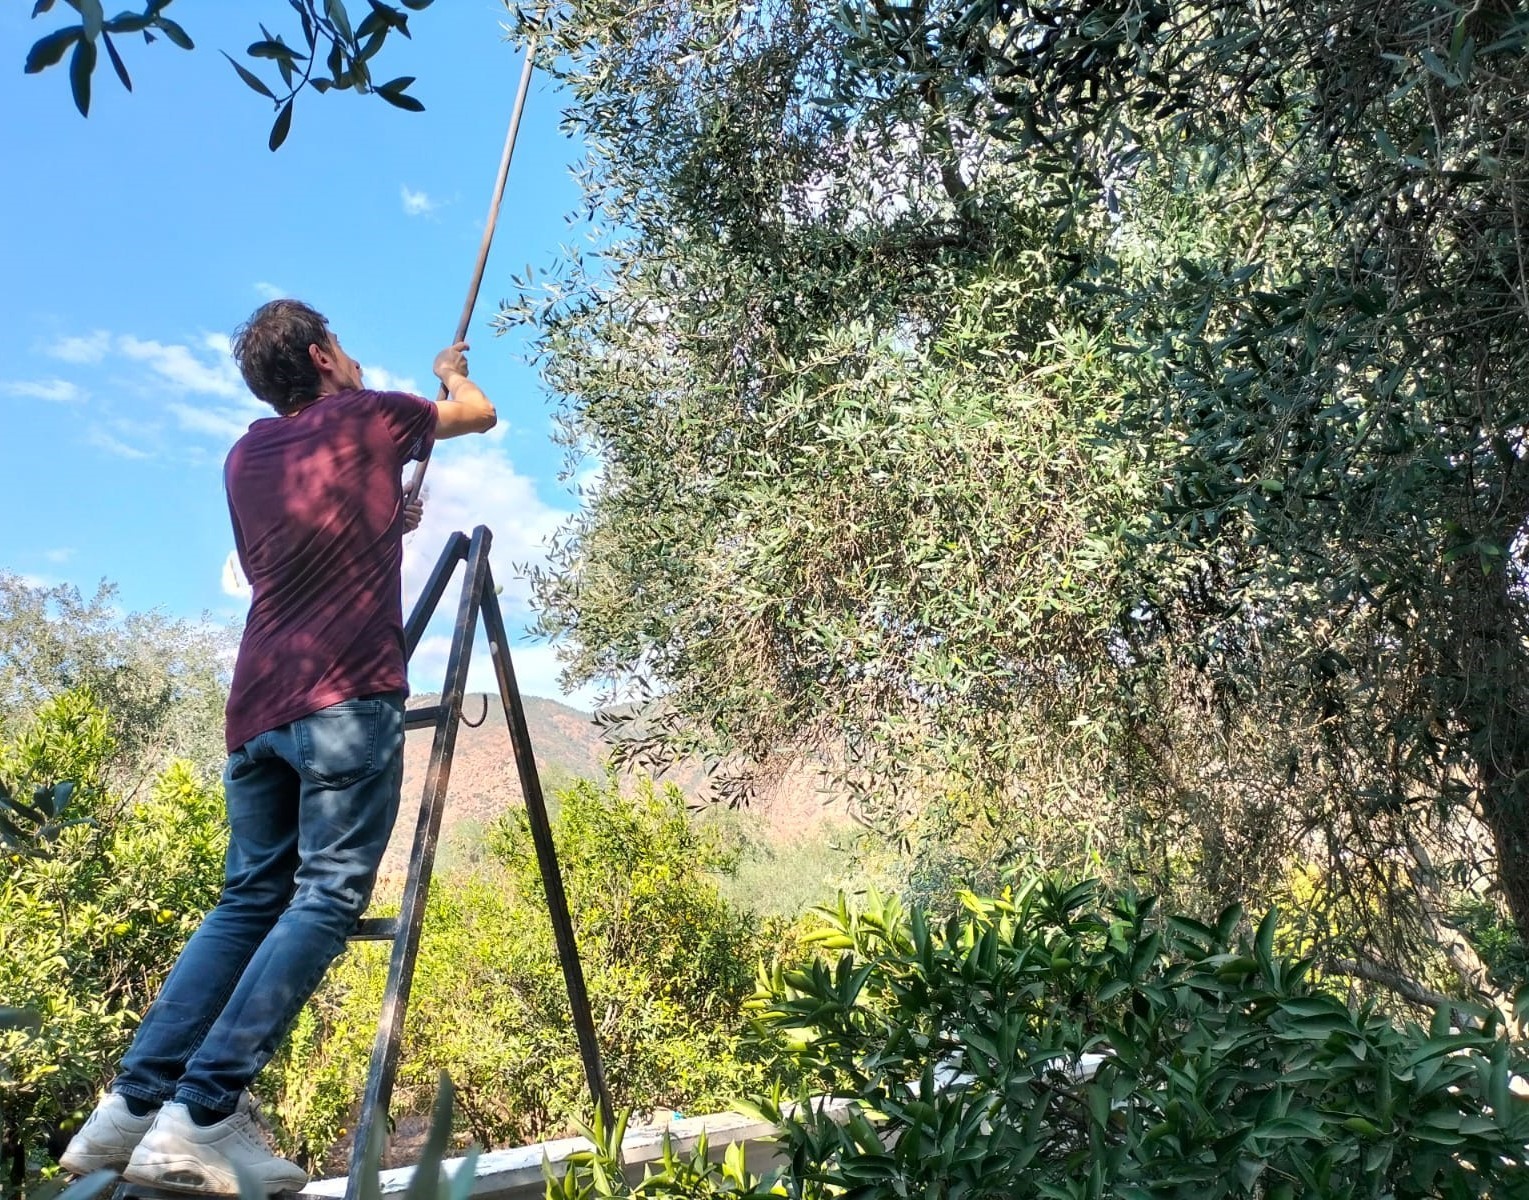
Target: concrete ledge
x,y
518,1172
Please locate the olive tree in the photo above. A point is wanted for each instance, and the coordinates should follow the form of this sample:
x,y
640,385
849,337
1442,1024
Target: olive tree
x,y
1113,408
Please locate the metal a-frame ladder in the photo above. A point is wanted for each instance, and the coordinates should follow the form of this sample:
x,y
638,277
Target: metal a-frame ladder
x,y
479,597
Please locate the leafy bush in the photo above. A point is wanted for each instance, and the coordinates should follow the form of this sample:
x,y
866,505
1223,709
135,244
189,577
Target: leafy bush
x,y
98,895
668,964
1496,940
781,873
1221,1071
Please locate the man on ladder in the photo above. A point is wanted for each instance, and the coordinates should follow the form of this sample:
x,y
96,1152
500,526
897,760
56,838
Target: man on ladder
x,y
315,731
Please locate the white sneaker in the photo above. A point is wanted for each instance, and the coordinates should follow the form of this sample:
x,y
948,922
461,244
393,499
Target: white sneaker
x,y
183,1156
107,1139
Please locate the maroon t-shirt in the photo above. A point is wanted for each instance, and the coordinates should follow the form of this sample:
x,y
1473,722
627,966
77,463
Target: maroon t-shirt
x,y
317,506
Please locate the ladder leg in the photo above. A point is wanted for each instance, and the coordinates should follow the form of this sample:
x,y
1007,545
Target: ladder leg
x,y
546,853
429,600
384,1062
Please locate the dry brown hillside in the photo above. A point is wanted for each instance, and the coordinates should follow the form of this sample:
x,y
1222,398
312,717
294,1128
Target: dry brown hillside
x,y
567,744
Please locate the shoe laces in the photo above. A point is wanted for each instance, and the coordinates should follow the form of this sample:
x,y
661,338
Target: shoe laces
x,y
258,1119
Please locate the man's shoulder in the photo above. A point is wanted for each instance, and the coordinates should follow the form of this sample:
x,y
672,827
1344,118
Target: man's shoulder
x,y
257,431
243,442
374,401
392,398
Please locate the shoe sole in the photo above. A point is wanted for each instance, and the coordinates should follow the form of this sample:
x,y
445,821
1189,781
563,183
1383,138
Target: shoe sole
x,y
85,1164
180,1176
144,1191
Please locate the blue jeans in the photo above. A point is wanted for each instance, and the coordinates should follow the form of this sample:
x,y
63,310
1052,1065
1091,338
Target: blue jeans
x,y
310,809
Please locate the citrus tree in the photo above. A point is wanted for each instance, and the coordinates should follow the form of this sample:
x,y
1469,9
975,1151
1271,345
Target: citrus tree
x,y
98,895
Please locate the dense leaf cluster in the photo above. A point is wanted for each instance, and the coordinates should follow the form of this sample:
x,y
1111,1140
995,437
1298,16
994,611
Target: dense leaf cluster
x,y
331,53
667,962
1054,1042
161,682
1118,408
97,893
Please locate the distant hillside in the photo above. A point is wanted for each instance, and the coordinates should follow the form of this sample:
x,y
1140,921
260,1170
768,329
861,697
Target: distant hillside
x,y
483,781
567,745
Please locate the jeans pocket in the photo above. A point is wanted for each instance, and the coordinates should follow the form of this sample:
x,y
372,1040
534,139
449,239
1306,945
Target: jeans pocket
x,y
337,746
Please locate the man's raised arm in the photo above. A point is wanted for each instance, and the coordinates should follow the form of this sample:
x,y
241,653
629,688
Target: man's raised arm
x,y
466,409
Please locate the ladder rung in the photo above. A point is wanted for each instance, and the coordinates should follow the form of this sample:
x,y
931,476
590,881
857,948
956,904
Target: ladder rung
x,y
375,929
414,718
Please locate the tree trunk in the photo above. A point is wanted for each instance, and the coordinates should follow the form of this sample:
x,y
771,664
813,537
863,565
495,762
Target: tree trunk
x,y
1493,683
1506,809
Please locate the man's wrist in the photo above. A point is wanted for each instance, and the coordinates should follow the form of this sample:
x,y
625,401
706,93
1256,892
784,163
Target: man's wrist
x,y
451,380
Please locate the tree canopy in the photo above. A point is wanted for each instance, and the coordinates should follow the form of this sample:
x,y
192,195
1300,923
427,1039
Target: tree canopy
x,y
1110,416
1117,408
160,681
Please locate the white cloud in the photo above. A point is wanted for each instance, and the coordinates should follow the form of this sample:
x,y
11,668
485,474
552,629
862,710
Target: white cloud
x,y
203,368
590,476
112,445
57,391
417,204
269,291
382,380
91,348
234,582
215,422
189,370
427,669
536,672
472,484
60,554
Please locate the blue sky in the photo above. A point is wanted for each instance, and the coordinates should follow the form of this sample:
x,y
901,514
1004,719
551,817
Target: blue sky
x,y
134,242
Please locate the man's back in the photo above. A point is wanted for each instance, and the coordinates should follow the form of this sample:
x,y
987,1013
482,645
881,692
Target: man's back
x,y
316,501
315,741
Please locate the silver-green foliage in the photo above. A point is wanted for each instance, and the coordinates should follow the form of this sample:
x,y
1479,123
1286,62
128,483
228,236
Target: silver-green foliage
x,y
1117,406
855,488
161,681
1318,245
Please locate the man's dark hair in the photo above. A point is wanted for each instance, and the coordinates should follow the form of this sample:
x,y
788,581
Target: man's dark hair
x,y
271,349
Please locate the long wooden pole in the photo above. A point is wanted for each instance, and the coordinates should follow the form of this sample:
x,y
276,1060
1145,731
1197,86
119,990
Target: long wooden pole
x,y
411,492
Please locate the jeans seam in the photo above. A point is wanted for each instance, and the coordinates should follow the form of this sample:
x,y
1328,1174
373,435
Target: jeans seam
x,y
217,1104
147,1095
305,749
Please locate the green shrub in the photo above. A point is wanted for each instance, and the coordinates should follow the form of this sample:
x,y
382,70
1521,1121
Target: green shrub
x,y
160,682
1222,1072
95,903
667,961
